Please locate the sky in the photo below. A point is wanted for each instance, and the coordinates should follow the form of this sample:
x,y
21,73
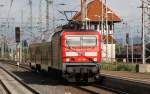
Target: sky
x,y
127,9
124,8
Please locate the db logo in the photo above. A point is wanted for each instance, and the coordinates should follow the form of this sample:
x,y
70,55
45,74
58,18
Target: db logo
x,y
81,54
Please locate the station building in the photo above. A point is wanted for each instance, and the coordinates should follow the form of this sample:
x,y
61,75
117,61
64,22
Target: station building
x,y
101,18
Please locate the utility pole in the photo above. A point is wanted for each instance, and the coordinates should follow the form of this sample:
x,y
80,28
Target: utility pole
x,y
102,26
112,32
132,44
102,23
21,37
2,46
40,16
83,13
53,15
143,34
31,18
2,42
86,16
17,37
145,29
106,15
47,15
127,47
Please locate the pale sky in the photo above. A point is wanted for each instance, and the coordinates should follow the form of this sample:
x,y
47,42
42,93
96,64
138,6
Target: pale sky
x,y
127,9
124,8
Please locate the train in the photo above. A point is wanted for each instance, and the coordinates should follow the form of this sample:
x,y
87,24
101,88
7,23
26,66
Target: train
x,y
72,54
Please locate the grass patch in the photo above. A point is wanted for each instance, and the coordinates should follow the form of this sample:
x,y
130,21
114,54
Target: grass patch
x,y
119,67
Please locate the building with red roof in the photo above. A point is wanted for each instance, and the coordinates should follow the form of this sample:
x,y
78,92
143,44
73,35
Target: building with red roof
x,y
98,19
96,11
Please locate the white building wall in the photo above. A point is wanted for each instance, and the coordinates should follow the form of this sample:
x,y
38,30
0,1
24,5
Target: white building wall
x,y
111,54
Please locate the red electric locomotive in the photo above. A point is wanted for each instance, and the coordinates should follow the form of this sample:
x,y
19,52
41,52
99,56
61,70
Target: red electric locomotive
x,y
74,54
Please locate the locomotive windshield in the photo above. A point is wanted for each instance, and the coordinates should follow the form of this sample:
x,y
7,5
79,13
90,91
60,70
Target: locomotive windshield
x,y
81,41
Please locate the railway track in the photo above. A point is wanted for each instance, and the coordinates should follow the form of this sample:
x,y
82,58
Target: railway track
x,y
144,78
79,89
68,90
12,85
92,89
3,88
125,84
117,84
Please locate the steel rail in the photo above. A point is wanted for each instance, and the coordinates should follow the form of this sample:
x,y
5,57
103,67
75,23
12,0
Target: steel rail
x,y
109,89
109,77
21,82
5,87
126,78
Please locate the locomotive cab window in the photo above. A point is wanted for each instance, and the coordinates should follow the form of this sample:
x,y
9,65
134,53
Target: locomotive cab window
x,y
89,41
75,41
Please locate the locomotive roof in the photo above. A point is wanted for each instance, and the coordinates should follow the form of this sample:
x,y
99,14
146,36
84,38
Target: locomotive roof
x,y
60,30
82,30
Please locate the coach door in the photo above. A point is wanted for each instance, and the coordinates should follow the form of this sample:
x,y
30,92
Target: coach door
x,y
45,56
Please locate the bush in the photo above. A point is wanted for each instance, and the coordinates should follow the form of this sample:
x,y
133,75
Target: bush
x,y
118,67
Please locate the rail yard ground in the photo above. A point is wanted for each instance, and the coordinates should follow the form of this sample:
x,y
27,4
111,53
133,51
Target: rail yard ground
x,y
74,46
142,77
46,84
11,85
112,82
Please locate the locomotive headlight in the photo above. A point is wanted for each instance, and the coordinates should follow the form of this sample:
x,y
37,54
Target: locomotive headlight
x,y
71,54
67,59
90,53
95,59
